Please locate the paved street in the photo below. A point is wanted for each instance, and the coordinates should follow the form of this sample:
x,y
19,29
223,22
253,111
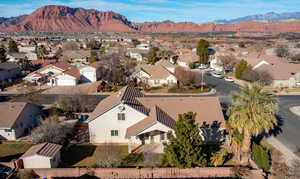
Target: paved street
x,y
289,135
289,132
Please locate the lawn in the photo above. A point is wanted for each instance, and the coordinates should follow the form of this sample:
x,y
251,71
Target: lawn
x,y
9,151
88,155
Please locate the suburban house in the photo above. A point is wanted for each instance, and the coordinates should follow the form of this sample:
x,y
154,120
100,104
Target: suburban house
x,y
136,54
130,117
78,55
17,118
65,74
143,47
154,75
186,59
90,73
27,48
56,74
45,155
9,71
15,56
282,74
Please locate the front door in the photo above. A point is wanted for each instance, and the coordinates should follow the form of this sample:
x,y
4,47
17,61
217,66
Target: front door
x,y
151,139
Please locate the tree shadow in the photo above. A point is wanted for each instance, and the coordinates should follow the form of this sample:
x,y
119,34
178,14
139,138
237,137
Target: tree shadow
x,y
72,154
10,157
277,129
211,132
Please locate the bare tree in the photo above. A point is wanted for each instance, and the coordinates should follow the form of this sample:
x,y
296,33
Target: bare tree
x,y
258,76
183,75
227,62
282,51
52,131
111,156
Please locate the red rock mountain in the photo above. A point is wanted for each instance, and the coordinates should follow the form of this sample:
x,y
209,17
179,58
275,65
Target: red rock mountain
x,y
61,18
65,19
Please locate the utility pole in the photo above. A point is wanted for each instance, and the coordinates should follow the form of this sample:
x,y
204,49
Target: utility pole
x,y
202,79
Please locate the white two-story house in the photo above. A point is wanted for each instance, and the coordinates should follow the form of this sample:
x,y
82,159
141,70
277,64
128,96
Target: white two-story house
x,y
130,117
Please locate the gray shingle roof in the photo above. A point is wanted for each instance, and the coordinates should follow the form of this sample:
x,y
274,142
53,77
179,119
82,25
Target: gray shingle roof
x,y
44,149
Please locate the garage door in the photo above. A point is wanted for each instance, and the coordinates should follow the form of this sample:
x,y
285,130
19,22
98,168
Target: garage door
x,y
66,82
89,76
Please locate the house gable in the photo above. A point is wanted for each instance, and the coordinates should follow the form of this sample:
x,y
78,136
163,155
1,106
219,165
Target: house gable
x,y
100,128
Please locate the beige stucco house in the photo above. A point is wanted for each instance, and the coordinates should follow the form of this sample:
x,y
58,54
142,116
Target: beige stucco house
x,y
45,155
283,74
17,118
130,117
155,75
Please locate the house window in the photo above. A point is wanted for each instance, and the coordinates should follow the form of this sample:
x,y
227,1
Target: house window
x,y
156,82
7,130
121,116
114,133
162,137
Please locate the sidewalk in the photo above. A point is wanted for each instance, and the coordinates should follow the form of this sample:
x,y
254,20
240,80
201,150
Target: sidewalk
x,y
211,92
289,156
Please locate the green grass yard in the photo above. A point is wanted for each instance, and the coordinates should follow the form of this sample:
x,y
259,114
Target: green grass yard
x,y
10,151
88,155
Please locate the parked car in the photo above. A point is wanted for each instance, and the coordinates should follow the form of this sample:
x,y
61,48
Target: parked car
x,y
298,84
202,66
5,171
217,75
229,79
209,69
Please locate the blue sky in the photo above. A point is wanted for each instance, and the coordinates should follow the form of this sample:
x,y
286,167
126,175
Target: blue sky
x,y
158,10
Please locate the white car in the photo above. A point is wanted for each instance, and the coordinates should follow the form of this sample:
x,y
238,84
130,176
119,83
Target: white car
x,y
202,66
298,84
210,69
229,79
217,75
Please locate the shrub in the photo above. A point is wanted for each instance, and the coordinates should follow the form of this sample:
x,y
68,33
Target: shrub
x,y
240,68
261,157
132,160
242,45
26,174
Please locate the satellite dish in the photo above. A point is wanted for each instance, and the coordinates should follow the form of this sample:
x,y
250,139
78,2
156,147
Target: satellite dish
x,y
121,108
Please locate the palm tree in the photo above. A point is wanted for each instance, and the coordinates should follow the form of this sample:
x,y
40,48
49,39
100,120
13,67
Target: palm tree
x,y
41,51
219,157
252,112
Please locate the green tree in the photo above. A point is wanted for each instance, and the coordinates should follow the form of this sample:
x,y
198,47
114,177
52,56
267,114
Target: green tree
x,y
136,42
241,68
92,59
261,157
152,55
219,157
166,54
185,149
251,113
41,52
2,55
24,62
101,51
242,45
202,51
12,46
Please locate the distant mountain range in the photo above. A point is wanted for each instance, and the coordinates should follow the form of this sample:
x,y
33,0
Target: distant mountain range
x,y
268,17
65,19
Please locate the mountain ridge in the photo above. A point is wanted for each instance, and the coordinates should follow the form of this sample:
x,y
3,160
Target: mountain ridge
x,y
54,18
